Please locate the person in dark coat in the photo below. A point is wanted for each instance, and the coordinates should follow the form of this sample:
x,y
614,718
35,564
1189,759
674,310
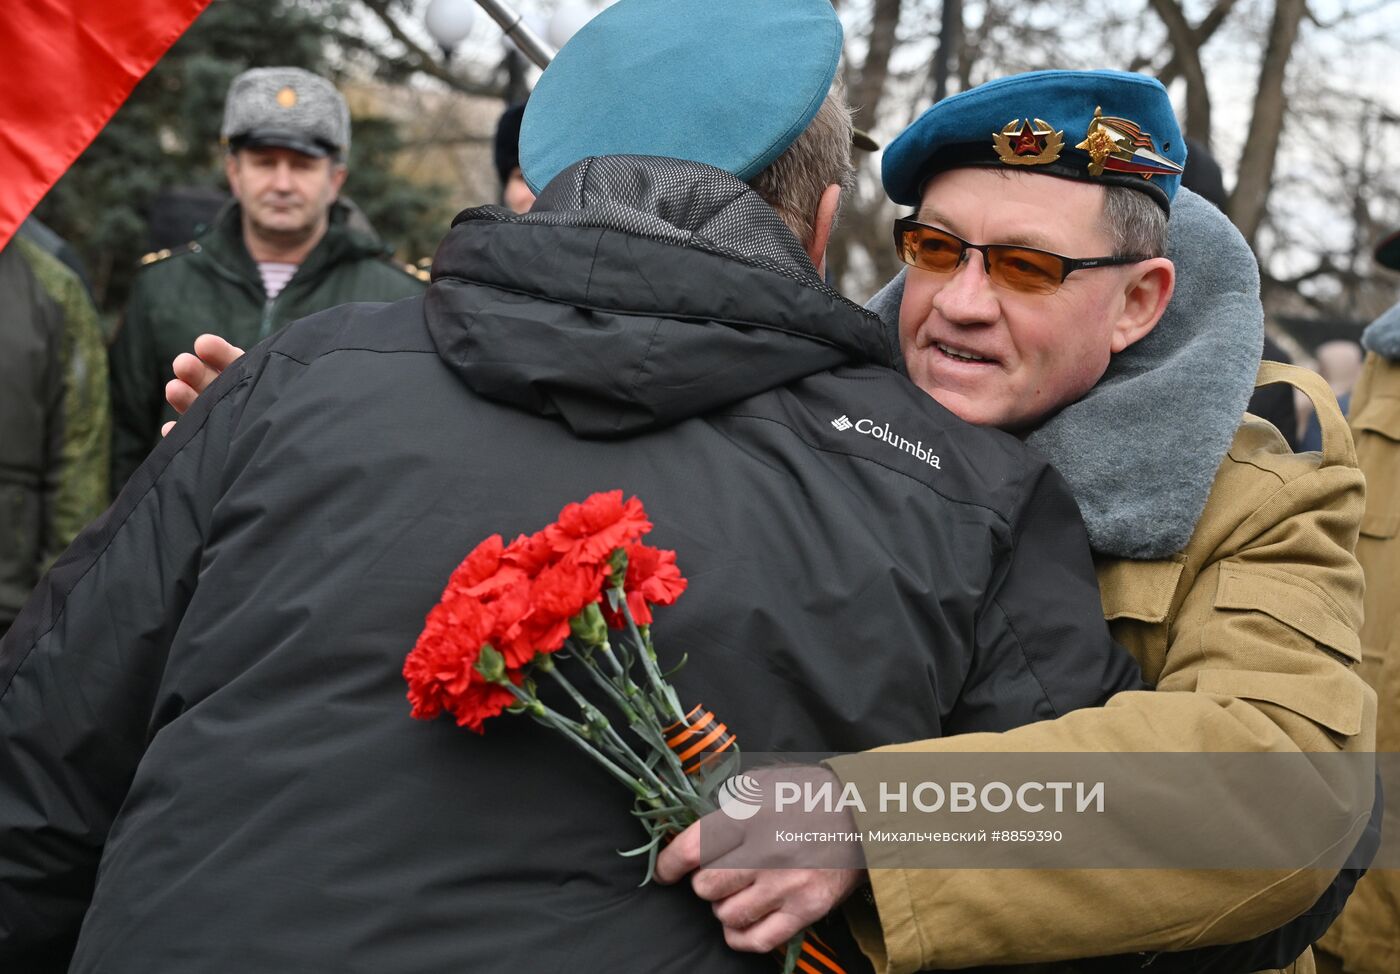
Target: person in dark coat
x,y
206,757
54,417
286,247
516,194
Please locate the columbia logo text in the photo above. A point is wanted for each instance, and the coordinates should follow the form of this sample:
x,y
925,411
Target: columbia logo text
x,y
883,433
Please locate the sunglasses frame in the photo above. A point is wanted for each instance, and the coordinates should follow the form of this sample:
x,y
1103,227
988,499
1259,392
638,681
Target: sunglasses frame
x,y
1069,264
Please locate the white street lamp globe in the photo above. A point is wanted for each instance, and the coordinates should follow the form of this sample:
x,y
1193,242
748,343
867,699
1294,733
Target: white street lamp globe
x,y
567,19
449,21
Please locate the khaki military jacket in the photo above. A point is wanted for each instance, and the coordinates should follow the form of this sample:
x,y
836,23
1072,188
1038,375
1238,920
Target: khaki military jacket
x,y
1250,635
1367,936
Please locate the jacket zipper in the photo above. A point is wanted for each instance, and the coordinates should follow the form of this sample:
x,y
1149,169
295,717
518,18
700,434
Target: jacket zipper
x,y
265,327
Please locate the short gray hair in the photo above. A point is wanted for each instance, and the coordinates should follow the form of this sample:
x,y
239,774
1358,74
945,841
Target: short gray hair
x,y
1136,224
794,182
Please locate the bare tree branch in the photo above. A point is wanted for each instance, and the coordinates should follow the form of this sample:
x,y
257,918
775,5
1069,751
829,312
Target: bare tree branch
x,y
1256,169
1349,15
420,60
1187,53
869,87
1202,34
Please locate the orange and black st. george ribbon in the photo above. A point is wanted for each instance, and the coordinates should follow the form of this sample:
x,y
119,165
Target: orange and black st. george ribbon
x,y
697,739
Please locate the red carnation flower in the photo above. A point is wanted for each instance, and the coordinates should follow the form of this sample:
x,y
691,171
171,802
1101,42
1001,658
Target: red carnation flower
x,y
481,563
440,666
510,635
560,592
652,579
589,532
530,553
481,702
484,572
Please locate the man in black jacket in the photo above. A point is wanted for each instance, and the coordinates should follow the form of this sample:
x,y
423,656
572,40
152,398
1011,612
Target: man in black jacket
x,y
203,699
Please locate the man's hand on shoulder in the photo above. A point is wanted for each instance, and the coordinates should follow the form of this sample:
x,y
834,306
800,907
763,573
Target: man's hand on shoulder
x,y
193,373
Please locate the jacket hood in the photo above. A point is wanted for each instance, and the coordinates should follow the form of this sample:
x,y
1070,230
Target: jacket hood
x,y
1382,336
1142,448
638,292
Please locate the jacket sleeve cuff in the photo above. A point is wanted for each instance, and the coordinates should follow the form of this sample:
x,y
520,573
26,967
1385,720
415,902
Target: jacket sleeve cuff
x,y
882,916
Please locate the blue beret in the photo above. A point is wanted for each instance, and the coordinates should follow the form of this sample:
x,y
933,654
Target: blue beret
x,y
731,83
1108,127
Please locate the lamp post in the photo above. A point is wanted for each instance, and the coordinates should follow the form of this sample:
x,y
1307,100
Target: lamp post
x,y
519,32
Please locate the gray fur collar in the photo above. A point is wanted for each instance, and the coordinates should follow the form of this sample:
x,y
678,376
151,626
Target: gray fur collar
x,y
1382,336
1142,448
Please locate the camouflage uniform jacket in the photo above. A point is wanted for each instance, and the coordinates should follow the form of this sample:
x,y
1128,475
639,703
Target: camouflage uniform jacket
x,y
55,421
213,285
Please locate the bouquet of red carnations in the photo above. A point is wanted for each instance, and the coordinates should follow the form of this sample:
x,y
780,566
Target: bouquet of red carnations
x,y
583,589
509,612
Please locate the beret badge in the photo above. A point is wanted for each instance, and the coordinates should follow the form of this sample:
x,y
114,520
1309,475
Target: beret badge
x,y
1118,145
1022,142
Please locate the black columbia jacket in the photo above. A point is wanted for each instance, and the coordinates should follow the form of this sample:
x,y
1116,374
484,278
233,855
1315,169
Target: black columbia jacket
x,y
206,756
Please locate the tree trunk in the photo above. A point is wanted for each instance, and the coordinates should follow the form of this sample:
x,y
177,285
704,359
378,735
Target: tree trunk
x,y
1256,170
949,42
1203,33
1186,55
869,87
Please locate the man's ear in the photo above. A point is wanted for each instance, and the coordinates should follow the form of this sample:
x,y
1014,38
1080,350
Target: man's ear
x,y
231,172
822,223
338,173
1145,297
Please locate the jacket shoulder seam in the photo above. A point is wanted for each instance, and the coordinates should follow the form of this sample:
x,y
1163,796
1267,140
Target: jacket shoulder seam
x,y
1021,645
281,353
1304,467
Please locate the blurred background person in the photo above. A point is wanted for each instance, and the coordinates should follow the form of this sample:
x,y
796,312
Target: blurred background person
x,y
516,194
1339,362
1366,939
283,249
55,420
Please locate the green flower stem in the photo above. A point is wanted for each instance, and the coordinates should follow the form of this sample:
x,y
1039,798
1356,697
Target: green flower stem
x,y
574,732
650,729
645,726
618,746
793,952
663,691
642,724
616,693
605,648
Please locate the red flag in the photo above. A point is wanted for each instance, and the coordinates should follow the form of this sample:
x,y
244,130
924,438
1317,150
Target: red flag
x,y
69,65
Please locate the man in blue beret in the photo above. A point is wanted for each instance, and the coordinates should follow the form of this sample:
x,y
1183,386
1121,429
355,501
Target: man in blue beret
x,y
1048,294
206,755
1040,299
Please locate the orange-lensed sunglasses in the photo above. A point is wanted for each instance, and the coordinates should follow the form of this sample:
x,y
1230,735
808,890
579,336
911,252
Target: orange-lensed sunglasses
x,y
1015,268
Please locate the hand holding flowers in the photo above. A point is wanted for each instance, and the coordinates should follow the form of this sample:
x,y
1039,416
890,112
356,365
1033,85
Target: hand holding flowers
x,y
582,588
